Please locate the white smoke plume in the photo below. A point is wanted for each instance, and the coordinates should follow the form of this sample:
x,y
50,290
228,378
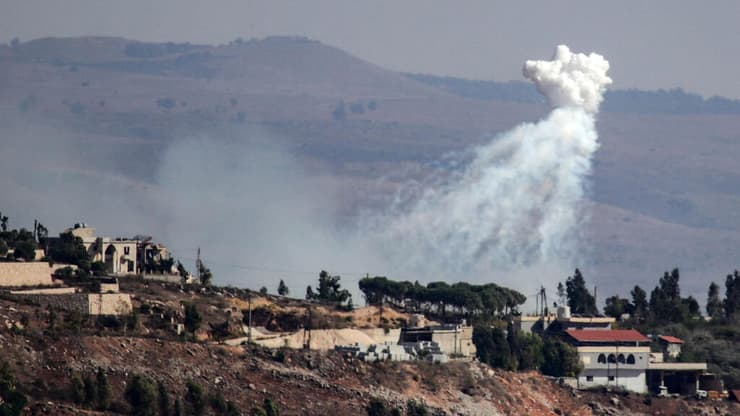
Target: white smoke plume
x,y
570,79
519,202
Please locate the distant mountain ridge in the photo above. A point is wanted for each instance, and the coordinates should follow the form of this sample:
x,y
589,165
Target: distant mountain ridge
x,y
673,101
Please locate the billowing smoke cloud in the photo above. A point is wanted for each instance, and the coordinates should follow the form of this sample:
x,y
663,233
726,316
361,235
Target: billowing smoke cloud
x,y
570,79
519,202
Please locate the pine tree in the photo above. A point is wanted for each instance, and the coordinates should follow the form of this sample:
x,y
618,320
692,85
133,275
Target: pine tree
x,y
580,299
104,392
639,306
283,288
714,304
732,295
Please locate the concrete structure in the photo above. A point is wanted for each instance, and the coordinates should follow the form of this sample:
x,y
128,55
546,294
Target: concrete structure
x,y
454,340
562,321
25,274
617,358
109,304
681,378
671,345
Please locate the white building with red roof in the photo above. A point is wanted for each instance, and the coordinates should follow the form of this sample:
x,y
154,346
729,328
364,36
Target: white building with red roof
x,y
614,357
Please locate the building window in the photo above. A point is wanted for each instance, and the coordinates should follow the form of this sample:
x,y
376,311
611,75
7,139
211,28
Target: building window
x,y
621,359
602,359
126,250
630,359
589,378
611,378
612,358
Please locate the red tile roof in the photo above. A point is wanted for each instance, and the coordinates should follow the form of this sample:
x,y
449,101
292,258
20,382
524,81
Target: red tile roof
x,y
612,335
671,340
735,394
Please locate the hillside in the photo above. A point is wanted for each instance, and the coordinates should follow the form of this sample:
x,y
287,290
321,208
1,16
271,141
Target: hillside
x,y
50,348
106,113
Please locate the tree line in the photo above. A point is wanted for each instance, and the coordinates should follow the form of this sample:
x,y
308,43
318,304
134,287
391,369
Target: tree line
x,y
441,298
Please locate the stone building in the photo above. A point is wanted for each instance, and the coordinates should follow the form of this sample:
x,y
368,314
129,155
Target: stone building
x,y
119,254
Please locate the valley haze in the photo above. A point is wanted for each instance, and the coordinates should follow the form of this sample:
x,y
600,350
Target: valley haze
x,y
282,156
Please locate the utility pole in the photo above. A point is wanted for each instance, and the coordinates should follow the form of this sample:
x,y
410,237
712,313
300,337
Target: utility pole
x,y
596,301
197,266
249,327
307,330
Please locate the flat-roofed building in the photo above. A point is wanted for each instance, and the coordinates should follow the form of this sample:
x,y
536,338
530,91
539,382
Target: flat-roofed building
x,y
454,340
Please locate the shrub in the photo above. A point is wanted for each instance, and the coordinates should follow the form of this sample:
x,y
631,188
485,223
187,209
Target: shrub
x,y
414,408
25,250
271,408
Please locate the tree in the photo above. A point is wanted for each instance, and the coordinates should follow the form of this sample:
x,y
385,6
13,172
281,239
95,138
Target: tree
x,y
205,273
530,351
12,401
666,304
104,391
192,317
71,250
164,399
310,295
732,295
639,306
141,394
3,222
283,288
492,347
195,398
616,306
580,299
263,291
560,359
330,290
91,390
3,247
77,389
181,270
714,304
25,250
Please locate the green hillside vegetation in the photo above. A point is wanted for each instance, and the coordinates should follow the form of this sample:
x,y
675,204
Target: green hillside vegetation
x,y
667,312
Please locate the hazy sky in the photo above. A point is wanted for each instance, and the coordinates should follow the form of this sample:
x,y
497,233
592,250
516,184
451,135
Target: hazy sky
x,y
655,44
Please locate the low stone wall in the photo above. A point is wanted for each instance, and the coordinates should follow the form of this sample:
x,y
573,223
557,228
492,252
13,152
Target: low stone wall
x,y
68,302
45,291
13,274
86,303
169,278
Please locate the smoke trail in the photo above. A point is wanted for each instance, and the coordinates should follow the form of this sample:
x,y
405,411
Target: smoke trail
x,y
519,202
